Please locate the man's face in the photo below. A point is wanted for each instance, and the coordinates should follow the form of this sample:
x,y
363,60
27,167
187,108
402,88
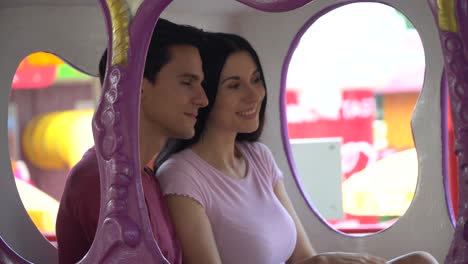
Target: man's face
x,y
171,104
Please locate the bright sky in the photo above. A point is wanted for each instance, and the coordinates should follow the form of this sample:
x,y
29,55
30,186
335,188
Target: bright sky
x,y
357,45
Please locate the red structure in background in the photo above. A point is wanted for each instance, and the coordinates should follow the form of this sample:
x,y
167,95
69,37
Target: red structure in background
x,y
29,76
452,164
353,125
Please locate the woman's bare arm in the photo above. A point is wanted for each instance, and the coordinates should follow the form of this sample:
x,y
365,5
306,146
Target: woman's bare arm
x,y
193,229
304,252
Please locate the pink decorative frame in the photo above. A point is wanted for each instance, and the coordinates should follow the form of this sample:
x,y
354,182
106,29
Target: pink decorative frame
x,y
452,17
124,233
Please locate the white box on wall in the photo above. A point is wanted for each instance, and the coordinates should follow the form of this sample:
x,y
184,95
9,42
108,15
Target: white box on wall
x,y
318,168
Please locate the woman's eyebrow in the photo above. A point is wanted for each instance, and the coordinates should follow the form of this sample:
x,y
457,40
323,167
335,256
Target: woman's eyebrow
x,y
230,78
256,71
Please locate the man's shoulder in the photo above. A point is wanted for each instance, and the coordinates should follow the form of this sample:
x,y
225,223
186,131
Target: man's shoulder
x,y
83,178
86,170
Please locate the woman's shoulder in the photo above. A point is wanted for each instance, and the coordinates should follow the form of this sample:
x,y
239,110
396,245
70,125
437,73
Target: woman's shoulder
x,y
177,161
184,164
256,149
252,145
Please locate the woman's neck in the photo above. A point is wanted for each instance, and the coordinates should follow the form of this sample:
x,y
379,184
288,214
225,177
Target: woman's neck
x,y
219,150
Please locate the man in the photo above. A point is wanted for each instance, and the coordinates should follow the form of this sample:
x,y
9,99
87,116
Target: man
x,y
171,95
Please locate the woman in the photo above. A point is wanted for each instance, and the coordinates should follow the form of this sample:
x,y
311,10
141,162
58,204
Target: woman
x,y
224,191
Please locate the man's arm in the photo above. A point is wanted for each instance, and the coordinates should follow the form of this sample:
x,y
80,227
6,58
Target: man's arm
x,y
72,242
79,210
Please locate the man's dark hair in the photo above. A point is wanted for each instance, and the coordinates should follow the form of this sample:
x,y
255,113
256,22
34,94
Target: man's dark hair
x,y
165,35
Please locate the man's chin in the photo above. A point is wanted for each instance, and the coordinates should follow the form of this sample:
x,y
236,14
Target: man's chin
x,y
188,134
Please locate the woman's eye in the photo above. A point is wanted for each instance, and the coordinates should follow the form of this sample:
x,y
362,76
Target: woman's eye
x,y
258,79
186,83
234,86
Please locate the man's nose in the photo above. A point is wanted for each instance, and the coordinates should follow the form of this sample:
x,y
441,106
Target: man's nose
x,y
200,99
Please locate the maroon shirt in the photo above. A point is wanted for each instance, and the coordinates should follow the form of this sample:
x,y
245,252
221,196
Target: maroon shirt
x,y
79,212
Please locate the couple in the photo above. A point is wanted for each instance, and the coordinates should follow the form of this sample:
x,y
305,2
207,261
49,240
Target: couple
x,y
219,196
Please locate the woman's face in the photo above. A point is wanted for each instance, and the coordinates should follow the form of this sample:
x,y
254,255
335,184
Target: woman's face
x,y
240,95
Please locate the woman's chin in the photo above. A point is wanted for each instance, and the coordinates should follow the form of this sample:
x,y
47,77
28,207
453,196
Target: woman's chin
x,y
248,130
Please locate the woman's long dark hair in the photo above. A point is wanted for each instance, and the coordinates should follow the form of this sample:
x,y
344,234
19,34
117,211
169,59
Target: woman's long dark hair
x,y
214,53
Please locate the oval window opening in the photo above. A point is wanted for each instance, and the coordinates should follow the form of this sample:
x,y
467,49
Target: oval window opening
x,y
352,84
49,128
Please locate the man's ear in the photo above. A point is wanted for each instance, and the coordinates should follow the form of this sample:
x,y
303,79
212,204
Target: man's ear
x,y
144,85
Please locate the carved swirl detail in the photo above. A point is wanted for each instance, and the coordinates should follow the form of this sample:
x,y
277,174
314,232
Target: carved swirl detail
x,y
109,118
118,164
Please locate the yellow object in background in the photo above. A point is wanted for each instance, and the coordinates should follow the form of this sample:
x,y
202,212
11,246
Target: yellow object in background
x,y
44,59
58,140
40,207
384,188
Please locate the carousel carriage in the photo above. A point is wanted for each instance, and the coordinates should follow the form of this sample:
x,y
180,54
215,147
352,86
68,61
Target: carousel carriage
x,y
76,31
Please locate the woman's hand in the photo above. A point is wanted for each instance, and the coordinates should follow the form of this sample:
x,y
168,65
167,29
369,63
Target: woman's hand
x,y
343,258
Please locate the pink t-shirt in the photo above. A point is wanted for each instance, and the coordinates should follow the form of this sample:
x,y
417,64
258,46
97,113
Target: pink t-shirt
x,y
249,223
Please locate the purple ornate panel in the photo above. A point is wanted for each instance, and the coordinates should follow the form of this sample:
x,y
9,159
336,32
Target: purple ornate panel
x,y
275,5
124,232
451,17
